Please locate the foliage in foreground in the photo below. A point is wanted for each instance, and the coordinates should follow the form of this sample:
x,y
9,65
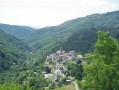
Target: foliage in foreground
x,y
14,86
102,66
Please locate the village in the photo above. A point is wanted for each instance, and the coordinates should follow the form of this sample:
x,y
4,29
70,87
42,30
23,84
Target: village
x,y
62,56
55,66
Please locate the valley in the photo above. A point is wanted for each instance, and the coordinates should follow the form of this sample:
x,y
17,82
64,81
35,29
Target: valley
x,y
57,57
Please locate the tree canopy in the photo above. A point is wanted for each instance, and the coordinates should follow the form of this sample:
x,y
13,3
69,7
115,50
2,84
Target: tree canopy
x,y
102,67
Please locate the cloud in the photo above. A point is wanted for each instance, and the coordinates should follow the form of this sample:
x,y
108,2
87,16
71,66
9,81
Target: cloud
x,y
87,7
51,12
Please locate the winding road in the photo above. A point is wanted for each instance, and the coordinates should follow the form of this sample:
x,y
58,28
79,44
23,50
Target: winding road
x,y
76,85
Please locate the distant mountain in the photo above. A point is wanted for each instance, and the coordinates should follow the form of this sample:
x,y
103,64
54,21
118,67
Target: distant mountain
x,y
83,30
12,51
17,31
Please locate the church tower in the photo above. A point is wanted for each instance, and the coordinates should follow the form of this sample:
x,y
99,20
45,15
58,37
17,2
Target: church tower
x,y
60,50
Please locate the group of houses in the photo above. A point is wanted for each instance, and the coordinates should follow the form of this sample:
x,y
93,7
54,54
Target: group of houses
x,y
58,59
62,56
59,68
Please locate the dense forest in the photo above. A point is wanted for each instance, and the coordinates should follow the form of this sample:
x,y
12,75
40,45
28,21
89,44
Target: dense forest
x,y
23,51
84,41
12,51
16,65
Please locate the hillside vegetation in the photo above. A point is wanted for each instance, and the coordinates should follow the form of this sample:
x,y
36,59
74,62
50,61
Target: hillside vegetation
x,y
12,51
23,51
17,31
101,67
79,33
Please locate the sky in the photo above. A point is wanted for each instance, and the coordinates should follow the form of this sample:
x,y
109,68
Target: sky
x,y
42,13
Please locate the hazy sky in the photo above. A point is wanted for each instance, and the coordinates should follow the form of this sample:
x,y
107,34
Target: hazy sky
x,y
51,12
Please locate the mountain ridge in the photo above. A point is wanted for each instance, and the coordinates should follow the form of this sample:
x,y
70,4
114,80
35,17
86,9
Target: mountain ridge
x,y
16,30
59,34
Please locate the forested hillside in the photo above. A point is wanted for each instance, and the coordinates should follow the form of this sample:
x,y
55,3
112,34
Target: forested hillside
x,y
84,40
18,70
23,50
12,51
17,31
79,34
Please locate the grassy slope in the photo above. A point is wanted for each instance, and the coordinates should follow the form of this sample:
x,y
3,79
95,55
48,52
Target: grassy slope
x,y
66,87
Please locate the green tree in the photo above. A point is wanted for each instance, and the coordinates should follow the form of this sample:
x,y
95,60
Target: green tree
x,y
102,67
14,86
51,85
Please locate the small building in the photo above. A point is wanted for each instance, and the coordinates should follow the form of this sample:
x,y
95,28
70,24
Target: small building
x,y
68,81
47,75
